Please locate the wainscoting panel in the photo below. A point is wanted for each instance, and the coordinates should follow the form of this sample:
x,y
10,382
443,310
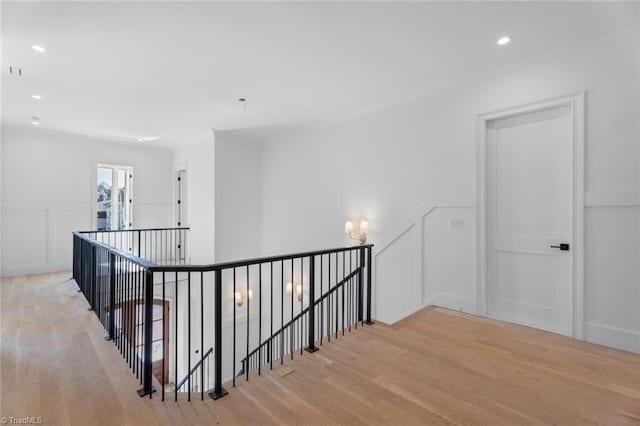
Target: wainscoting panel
x,y
62,222
448,277
627,340
612,275
427,259
25,237
395,269
37,239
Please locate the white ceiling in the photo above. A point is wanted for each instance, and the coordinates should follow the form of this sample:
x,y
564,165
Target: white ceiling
x,y
175,70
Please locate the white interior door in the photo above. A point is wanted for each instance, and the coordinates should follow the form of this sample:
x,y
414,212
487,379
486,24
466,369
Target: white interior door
x,y
529,210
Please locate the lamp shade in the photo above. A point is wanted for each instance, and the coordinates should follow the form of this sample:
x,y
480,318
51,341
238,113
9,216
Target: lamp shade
x,y
348,227
364,226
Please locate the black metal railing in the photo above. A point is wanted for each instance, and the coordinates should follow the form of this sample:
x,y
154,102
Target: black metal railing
x,y
116,285
253,313
198,377
273,348
157,245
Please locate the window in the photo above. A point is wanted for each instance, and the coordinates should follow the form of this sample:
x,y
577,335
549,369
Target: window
x,y
114,208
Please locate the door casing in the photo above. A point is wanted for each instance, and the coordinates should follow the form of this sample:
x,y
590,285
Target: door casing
x,y
576,104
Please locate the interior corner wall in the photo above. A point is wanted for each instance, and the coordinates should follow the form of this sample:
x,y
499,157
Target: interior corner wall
x,y
411,169
199,161
238,189
48,191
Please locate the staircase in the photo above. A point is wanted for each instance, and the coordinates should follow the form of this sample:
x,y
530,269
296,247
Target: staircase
x,y
252,314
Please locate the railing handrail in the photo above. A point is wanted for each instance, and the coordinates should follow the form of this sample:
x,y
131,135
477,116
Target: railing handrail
x,y
135,229
153,267
195,367
135,259
254,261
302,313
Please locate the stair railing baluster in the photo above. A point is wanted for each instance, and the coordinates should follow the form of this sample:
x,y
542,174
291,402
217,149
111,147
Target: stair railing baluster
x,y
119,288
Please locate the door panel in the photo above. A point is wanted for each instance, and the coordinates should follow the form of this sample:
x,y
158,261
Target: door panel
x,y
529,209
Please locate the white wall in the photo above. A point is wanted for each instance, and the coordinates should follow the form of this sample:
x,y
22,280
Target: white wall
x,y
238,197
48,191
411,168
199,161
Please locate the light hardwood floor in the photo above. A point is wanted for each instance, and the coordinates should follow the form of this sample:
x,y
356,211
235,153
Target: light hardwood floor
x,y
436,367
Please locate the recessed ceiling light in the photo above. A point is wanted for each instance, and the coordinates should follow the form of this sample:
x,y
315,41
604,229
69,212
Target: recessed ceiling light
x,y
147,139
504,40
35,96
38,48
35,120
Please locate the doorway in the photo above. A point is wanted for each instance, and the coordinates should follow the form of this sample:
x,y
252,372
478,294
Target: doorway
x,y
114,197
530,215
181,210
130,315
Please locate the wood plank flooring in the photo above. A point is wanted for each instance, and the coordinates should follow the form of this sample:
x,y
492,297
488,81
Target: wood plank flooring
x,y
436,367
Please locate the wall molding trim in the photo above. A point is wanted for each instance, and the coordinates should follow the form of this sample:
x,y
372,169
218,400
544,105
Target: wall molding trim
x,y
447,300
618,338
13,271
619,198
414,221
461,200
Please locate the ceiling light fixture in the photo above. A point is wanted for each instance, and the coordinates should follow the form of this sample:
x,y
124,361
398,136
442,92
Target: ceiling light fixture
x,y
38,48
504,40
35,121
37,97
147,139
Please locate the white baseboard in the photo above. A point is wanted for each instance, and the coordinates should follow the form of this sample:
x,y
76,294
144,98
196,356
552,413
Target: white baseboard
x,y
453,302
400,316
627,340
12,271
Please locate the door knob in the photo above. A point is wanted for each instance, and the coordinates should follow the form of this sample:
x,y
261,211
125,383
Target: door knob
x,y
562,246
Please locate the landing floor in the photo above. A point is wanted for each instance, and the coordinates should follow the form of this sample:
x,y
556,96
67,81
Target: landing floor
x,y
436,367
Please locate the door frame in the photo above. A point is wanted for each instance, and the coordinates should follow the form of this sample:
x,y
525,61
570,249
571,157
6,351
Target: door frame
x,y
576,104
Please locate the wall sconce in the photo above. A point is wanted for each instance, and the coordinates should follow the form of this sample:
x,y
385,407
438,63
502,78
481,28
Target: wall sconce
x,y
298,290
361,233
239,297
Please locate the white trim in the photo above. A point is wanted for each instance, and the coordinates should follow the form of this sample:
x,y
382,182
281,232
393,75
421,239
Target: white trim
x,y
129,193
596,198
576,103
627,340
462,200
415,219
464,304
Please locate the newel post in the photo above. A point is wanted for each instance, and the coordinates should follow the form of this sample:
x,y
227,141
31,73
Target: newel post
x,y
368,321
218,390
